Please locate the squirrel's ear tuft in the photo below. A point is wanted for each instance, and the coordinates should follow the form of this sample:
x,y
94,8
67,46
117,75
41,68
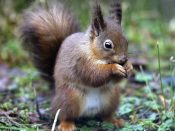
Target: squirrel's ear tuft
x,y
98,24
116,11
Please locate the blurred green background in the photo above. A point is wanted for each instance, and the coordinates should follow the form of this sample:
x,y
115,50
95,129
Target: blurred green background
x,y
144,22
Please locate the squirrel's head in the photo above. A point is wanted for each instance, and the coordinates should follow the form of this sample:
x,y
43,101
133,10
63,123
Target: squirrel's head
x,y
108,41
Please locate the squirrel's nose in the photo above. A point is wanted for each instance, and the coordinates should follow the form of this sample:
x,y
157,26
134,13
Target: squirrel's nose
x,y
123,60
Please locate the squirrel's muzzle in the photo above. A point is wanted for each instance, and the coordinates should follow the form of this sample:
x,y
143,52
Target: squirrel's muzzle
x,y
122,60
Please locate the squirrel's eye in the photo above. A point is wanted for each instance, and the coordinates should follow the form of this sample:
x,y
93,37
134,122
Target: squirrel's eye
x,y
108,44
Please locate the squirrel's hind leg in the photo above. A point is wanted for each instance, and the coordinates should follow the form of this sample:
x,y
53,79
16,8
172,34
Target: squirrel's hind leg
x,y
69,101
108,114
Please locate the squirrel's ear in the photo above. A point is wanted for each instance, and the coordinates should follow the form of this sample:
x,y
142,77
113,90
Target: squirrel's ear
x,y
116,11
98,24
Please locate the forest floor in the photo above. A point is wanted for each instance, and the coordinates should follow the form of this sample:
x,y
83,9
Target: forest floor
x,y
142,106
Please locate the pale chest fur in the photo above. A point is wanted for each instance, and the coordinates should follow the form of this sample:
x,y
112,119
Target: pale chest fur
x,y
95,100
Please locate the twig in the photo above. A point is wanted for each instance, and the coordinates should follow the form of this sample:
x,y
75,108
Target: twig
x,y
55,120
10,119
41,116
37,104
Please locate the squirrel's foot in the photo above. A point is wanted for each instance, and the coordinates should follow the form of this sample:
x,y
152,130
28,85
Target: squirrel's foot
x,y
66,126
119,123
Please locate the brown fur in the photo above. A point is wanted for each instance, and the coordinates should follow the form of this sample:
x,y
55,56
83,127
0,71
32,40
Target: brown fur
x,y
67,99
114,102
85,74
66,126
96,76
42,37
117,122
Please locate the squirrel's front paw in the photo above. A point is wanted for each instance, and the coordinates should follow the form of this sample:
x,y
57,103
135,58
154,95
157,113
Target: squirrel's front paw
x,y
128,67
66,126
119,70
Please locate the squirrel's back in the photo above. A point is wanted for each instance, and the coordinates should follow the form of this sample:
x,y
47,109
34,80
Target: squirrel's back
x,y
43,31
74,47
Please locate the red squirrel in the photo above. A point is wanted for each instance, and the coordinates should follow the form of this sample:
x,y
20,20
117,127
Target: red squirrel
x,y
84,67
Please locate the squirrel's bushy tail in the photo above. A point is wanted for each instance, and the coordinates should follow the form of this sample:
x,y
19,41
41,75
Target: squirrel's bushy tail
x,y
42,32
